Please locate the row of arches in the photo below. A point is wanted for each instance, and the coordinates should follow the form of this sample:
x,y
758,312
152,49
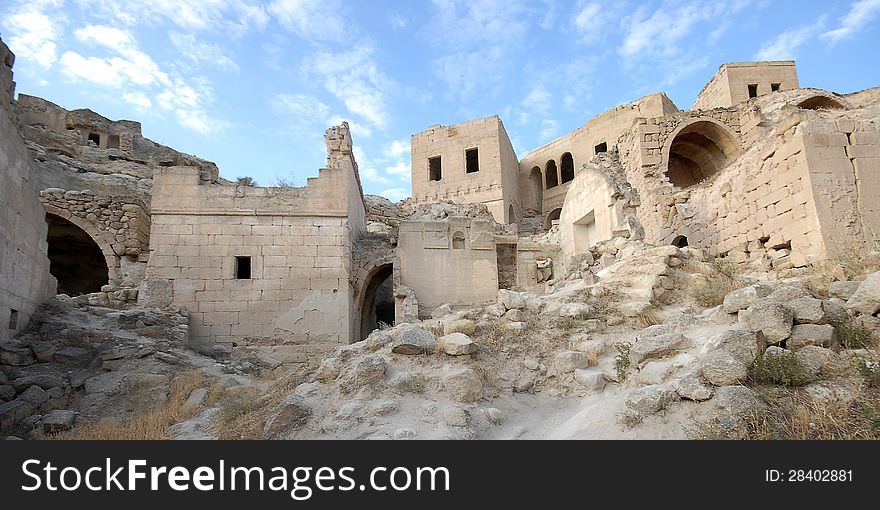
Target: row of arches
x,y
551,176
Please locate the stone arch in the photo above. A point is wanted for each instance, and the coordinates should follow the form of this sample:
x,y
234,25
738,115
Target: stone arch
x,y
821,102
376,303
104,240
536,189
680,241
550,176
76,259
566,167
554,215
697,150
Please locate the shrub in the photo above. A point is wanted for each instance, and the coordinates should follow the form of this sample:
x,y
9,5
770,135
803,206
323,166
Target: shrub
x,y
245,181
853,335
870,370
782,368
621,360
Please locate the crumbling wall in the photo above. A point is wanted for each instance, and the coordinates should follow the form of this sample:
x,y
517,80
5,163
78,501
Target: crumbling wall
x,y
493,185
730,85
298,295
25,281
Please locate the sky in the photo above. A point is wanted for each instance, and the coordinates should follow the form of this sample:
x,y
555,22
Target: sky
x,y
252,85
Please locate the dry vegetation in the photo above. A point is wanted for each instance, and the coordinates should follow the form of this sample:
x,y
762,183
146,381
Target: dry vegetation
x,y
711,293
243,414
155,423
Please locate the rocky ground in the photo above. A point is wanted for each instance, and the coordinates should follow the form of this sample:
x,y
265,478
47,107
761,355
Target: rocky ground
x,y
636,342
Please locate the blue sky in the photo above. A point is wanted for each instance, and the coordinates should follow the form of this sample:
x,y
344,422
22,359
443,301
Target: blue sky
x,y
251,85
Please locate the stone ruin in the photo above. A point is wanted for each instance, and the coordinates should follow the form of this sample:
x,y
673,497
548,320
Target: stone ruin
x,y
767,176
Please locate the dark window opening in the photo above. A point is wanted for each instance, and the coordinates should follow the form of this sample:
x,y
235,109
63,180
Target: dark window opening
x,y
550,176
377,310
458,241
553,216
506,258
602,147
567,169
243,268
680,241
113,142
472,161
13,319
434,169
774,87
753,90
94,138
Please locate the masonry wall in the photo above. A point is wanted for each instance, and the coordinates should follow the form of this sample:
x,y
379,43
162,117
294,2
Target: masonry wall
x,y
581,143
591,212
298,239
729,87
25,281
432,264
487,186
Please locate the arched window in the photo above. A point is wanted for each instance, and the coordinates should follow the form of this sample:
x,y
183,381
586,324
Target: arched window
x,y
550,176
567,170
458,241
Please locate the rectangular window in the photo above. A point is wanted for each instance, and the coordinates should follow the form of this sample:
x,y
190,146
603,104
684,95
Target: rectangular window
x,y
434,170
753,90
472,160
243,268
94,138
602,147
13,319
774,87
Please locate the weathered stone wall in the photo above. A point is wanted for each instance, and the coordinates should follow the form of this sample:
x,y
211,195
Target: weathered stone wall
x,y
730,85
298,296
581,144
25,281
451,260
495,184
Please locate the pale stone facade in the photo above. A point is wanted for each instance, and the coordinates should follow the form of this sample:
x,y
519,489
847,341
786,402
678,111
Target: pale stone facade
x,y
737,82
469,163
25,281
268,266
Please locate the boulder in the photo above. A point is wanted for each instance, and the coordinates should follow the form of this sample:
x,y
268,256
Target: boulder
x,y
465,326
835,310
455,416
575,310
741,299
195,400
414,340
722,368
842,290
866,298
367,373
812,361
590,378
12,413
16,356
291,414
58,421
494,415
803,335
442,311
72,356
773,319
650,399
515,315
496,310
511,300
457,344
745,345
657,347
568,361
807,310
691,387
34,396
328,370
732,409
7,392
45,376
407,382
463,384
516,327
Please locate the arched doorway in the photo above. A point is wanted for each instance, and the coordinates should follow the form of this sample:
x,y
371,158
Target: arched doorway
x,y
554,215
680,241
820,102
537,188
698,151
567,167
550,175
75,259
377,308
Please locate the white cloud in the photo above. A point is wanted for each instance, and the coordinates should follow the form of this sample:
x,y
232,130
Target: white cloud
x,y
397,148
201,52
358,130
354,78
549,129
306,107
538,100
401,169
785,45
229,16
370,174
397,21
137,99
395,194
591,21
312,20
35,32
861,14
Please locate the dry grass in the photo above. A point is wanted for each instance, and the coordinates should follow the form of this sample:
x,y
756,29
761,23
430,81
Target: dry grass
x,y
802,418
243,414
648,318
153,424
